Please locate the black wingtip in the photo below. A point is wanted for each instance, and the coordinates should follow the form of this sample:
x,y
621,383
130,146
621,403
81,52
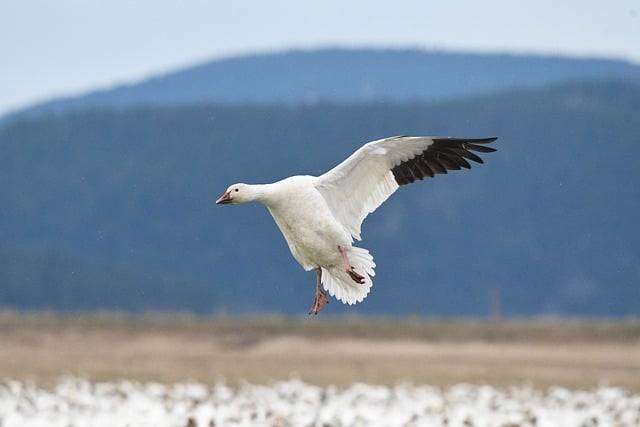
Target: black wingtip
x,y
448,139
443,155
479,148
486,140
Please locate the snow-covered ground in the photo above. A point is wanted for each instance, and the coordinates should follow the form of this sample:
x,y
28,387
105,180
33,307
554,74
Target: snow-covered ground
x,y
75,402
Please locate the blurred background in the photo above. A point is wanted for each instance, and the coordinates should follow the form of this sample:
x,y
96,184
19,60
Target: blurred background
x,y
121,122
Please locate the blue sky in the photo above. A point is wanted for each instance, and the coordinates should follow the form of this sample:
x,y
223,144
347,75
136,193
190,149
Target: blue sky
x,y
58,47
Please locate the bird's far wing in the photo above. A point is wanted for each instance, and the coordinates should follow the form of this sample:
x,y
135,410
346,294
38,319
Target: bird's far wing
x,y
361,183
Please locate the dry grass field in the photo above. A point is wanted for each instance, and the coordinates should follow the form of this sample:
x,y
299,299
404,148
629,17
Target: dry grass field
x,y
320,350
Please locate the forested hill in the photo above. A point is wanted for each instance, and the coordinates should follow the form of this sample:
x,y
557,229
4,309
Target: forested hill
x,y
114,209
342,75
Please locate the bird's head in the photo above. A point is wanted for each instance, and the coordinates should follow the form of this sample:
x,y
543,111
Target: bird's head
x,y
237,193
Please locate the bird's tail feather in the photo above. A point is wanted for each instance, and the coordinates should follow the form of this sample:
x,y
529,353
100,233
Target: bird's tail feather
x,y
339,284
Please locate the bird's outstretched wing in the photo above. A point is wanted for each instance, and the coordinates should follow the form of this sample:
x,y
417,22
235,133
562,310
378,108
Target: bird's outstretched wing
x,y
361,183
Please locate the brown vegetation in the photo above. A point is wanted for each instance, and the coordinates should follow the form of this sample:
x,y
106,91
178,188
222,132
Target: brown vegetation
x,y
320,350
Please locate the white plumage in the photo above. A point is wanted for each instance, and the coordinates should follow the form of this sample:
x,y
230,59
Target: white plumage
x,y
357,186
320,216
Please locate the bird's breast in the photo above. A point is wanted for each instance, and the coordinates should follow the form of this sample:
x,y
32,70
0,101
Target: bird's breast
x,y
310,230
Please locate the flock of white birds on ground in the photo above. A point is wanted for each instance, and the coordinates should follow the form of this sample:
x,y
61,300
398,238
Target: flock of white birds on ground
x,y
320,216
78,403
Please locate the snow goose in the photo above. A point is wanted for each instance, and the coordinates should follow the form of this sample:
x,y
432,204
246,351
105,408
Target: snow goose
x,y
320,216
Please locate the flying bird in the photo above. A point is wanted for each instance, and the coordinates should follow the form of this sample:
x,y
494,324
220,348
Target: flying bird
x,y
320,216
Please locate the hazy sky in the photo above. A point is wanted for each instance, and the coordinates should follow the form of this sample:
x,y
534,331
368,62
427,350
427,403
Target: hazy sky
x,y
49,48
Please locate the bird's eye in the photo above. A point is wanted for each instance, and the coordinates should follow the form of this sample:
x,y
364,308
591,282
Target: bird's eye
x,y
237,189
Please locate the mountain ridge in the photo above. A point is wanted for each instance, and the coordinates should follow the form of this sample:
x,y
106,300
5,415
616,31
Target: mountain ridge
x,y
342,76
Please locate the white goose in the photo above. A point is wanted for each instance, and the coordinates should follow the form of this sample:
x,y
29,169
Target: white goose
x,y
320,216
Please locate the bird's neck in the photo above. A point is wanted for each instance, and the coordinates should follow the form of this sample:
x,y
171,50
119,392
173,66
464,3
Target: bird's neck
x,y
262,193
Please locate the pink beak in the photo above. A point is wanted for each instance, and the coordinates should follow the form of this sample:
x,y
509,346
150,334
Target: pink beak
x,y
224,199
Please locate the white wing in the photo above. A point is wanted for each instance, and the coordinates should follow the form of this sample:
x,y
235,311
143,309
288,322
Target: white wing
x,y
361,183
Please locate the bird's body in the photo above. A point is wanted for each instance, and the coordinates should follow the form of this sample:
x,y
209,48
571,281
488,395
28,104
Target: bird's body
x,y
306,221
321,216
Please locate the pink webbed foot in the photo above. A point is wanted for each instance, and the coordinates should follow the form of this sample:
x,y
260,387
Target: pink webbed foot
x,y
320,299
319,302
355,276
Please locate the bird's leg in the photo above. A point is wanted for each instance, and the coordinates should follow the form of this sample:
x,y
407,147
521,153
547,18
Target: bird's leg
x,y
349,268
321,297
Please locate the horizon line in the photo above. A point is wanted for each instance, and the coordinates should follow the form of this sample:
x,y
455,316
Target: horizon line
x,y
243,54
